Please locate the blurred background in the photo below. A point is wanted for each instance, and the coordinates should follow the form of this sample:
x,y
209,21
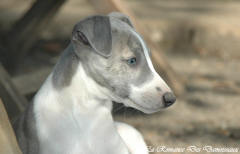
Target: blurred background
x,y
196,48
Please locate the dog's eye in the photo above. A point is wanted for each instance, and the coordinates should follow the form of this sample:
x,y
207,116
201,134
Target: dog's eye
x,y
132,61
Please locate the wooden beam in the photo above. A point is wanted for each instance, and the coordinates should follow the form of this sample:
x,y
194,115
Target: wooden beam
x,y
8,142
15,103
159,60
24,33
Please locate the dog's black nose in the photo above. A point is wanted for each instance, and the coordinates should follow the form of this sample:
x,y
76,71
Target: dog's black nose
x,y
168,98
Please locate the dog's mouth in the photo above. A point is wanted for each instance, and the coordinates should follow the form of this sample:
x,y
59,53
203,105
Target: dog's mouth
x,y
129,102
139,107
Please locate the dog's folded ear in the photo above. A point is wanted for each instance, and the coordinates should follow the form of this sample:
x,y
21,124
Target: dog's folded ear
x,y
121,17
94,31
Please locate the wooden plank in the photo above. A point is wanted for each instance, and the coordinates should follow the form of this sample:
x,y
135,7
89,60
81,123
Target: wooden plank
x,y
8,142
25,31
159,60
15,103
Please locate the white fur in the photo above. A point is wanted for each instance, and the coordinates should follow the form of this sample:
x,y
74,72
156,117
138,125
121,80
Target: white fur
x,y
132,138
78,120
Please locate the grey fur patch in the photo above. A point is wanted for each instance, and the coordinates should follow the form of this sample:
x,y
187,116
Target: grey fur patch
x,y
97,30
121,17
146,73
65,68
26,133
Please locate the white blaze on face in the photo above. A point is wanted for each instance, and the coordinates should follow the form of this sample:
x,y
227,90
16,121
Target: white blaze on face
x,y
145,51
157,79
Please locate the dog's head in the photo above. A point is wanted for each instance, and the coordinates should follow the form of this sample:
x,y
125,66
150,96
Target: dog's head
x,y
116,57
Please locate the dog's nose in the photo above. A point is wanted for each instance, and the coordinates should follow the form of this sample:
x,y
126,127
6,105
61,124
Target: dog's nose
x,y
168,98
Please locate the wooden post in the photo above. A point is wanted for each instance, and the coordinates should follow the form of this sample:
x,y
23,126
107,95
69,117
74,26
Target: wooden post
x,y
159,60
8,142
25,31
15,103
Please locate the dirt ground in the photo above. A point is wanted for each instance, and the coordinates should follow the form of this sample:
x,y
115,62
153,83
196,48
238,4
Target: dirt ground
x,y
202,41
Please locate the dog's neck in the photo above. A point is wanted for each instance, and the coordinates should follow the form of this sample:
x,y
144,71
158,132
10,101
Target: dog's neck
x,y
83,95
80,90
84,92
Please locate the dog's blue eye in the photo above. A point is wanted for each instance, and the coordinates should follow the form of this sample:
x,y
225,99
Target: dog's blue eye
x,y
132,61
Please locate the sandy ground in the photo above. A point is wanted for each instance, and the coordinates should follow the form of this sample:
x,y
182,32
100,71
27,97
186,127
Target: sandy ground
x,y
207,114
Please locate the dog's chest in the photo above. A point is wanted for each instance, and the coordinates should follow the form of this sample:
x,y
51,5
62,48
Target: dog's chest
x,y
80,133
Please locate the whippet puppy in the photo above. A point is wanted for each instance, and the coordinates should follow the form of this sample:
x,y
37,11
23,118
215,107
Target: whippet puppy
x,y
106,60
